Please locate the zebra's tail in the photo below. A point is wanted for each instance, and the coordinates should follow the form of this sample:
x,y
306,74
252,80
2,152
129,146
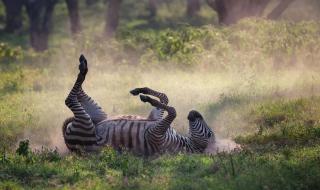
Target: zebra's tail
x,y
64,126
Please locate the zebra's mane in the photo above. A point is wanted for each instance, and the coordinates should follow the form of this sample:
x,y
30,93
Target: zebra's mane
x,y
129,117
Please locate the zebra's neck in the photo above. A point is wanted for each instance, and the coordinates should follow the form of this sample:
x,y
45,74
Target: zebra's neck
x,y
188,144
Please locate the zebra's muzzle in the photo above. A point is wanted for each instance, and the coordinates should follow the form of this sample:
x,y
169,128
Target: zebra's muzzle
x,y
193,115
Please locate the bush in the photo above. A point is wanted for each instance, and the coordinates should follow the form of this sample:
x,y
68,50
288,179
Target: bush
x,y
10,54
23,148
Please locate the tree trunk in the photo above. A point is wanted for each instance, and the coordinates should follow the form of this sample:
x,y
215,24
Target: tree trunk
x,y
193,6
112,18
13,10
73,10
89,3
231,11
282,6
153,8
40,16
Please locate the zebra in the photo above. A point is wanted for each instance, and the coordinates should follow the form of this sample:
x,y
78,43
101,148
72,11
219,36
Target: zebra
x,y
90,128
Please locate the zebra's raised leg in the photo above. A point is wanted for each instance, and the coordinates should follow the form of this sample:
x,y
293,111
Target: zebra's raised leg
x,y
163,124
156,113
91,107
148,91
81,132
156,136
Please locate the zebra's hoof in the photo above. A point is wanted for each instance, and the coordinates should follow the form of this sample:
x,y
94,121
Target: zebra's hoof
x,y
83,65
144,98
135,91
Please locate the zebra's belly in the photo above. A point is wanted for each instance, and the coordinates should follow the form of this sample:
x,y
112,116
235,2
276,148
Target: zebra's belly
x,y
124,134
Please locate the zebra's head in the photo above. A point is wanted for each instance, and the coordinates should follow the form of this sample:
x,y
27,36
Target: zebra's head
x,y
200,132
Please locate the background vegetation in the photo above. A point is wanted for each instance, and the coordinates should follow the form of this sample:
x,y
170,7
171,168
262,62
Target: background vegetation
x,y
256,81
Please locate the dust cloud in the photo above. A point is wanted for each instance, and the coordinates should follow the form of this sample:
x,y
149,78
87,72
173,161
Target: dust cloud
x,y
221,145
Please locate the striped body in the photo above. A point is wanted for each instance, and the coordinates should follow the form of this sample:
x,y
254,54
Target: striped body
x,y
133,135
126,134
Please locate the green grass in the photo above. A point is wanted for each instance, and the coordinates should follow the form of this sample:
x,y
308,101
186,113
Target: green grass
x,y
295,168
285,124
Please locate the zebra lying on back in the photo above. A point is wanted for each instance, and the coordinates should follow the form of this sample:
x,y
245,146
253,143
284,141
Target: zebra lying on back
x,y
90,129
